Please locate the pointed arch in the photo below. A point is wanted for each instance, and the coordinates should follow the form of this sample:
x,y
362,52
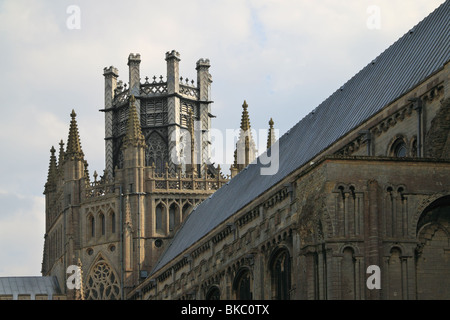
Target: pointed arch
x,y
91,226
160,210
280,273
157,151
102,282
174,211
187,208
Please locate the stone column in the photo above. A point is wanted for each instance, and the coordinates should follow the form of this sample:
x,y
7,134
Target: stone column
x,y
173,107
134,60
204,81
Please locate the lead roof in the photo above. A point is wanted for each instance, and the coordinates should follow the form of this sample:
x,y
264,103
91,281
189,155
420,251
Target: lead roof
x,y
418,54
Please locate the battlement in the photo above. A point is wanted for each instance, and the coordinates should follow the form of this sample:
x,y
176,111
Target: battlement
x,y
173,55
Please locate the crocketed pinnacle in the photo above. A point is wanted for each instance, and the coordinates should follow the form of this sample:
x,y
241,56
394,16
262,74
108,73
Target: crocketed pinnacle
x,y
245,120
271,135
134,134
61,153
73,142
52,170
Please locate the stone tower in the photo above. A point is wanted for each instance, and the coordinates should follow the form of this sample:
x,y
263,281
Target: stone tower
x,y
163,108
157,171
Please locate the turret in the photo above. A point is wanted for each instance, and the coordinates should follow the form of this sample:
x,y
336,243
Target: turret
x,y
245,152
111,74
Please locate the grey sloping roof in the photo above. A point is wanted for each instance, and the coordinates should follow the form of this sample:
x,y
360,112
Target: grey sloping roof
x,y
415,56
29,286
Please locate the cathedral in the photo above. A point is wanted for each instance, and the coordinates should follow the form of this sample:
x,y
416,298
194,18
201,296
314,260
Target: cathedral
x,y
353,202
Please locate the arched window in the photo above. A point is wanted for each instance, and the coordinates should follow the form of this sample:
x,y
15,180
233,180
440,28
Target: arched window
x,y
113,222
103,224
281,275
159,217
398,148
432,255
242,285
186,210
102,282
213,293
92,226
172,216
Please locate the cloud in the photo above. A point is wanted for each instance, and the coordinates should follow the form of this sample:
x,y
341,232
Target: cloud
x,y
22,228
283,57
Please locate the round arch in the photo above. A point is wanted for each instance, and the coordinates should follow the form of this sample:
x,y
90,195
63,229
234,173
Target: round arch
x,y
243,284
432,255
280,273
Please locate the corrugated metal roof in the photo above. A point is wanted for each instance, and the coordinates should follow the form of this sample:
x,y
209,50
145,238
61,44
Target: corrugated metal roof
x,y
415,56
32,286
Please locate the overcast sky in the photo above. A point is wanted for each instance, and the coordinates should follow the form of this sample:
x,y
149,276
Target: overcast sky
x,y
284,57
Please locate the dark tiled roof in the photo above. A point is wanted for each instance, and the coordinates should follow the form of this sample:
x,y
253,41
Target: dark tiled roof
x,y
415,56
29,286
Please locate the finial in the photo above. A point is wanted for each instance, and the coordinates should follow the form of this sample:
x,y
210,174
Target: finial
x,y
271,135
73,142
133,134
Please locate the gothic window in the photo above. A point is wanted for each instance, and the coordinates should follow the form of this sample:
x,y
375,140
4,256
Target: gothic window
x,y
113,222
156,153
102,282
186,210
281,275
103,224
242,285
213,293
92,226
159,217
172,215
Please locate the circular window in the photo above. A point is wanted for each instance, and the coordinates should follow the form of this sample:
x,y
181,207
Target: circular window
x,y
158,243
90,251
112,248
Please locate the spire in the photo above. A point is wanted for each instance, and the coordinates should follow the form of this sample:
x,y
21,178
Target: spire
x,y
271,136
245,151
73,143
52,171
134,134
61,153
245,120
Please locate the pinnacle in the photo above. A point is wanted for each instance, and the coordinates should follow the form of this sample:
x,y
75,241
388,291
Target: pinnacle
x,y
271,135
52,170
245,120
134,132
73,142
